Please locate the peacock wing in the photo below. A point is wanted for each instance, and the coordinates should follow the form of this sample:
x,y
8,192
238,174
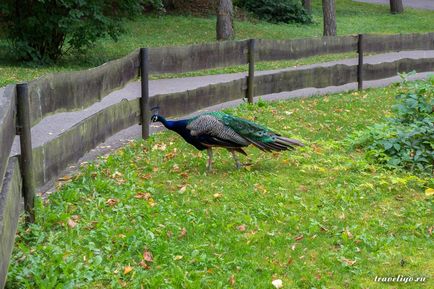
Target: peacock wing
x,y
209,124
248,129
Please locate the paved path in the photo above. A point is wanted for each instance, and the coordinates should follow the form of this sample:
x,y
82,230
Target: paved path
x,y
419,4
51,126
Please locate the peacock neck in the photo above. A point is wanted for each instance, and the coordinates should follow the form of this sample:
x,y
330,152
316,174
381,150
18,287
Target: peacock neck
x,y
173,124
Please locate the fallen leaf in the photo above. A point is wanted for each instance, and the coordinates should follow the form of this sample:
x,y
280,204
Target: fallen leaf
x,y
217,195
232,280
430,229
289,261
298,238
349,262
146,177
178,257
429,192
183,233
184,175
112,202
348,233
71,224
127,269
145,196
144,265
277,283
147,256
64,178
155,169
151,202
182,189
241,228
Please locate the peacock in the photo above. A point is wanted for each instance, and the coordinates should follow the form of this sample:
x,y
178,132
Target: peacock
x,y
219,129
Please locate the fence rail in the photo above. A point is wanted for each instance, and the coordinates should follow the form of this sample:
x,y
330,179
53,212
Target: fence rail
x,y
74,91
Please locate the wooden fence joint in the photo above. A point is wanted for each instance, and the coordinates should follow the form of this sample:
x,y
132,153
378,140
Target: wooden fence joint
x,y
360,63
251,76
26,156
144,99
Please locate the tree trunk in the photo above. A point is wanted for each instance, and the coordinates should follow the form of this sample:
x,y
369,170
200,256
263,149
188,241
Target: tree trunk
x,y
329,13
225,12
396,6
307,6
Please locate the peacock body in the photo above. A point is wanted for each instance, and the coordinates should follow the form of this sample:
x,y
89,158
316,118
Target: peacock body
x,y
218,129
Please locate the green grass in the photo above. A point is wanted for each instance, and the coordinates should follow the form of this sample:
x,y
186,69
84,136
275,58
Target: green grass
x,y
318,217
153,31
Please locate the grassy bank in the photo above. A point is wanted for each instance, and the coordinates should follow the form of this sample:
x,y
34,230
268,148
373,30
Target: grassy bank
x,y
149,216
151,31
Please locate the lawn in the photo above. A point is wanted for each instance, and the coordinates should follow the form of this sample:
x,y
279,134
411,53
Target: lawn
x,y
166,30
150,216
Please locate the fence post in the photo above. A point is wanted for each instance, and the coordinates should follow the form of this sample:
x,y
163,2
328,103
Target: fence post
x,y
144,100
360,65
251,76
26,157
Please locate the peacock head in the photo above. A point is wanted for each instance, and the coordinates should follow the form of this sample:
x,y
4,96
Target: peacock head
x,y
155,118
155,114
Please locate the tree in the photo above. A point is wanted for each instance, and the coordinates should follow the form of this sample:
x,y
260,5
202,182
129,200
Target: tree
x,y
307,5
224,27
396,6
329,13
42,30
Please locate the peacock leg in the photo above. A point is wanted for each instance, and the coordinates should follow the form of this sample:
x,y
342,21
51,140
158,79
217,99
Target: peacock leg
x,y
209,166
237,162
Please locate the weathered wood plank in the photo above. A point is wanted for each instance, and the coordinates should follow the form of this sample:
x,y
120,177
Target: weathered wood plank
x,y
54,156
197,57
10,201
311,77
181,103
389,69
398,42
76,90
272,50
7,125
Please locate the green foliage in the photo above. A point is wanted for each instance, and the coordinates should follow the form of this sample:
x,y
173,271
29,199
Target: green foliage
x,y
39,30
277,11
407,139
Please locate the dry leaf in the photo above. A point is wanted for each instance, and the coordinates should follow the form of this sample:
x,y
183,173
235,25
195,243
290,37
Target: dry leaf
x,y
241,228
184,175
71,223
178,257
350,236
112,202
183,233
217,195
144,265
430,229
155,169
429,192
298,238
147,256
349,262
277,283
64,178
127,269
146,177
232,280
182,189
145,196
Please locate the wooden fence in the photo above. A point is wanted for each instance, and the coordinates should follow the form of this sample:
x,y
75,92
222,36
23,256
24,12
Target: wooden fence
x,y
25,105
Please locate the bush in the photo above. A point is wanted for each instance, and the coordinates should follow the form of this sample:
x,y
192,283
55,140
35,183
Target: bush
x,y
277,11
40,30
407,139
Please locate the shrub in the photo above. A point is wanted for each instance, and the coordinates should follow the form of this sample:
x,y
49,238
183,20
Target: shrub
x,y
277,11
407,139
39,30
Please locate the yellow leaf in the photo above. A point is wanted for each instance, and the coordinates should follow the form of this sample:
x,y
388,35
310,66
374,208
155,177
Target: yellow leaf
x,y
178,257
127,269
429,192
